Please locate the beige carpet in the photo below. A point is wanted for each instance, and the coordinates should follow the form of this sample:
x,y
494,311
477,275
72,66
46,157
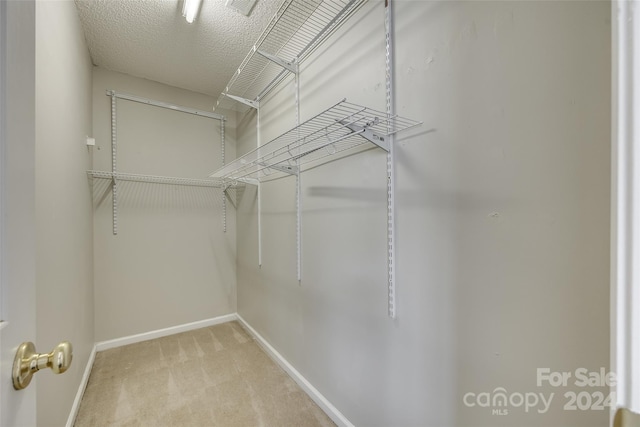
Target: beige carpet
x,y
215,376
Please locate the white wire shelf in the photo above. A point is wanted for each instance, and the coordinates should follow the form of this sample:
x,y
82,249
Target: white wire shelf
x,y
341,127
295,31
155,179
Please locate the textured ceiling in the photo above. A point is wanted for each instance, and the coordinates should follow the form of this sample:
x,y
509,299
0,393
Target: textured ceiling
x,y
151,39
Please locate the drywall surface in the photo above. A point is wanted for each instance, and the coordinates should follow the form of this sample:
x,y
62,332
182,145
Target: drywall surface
x,y
64,224
502,215
171,262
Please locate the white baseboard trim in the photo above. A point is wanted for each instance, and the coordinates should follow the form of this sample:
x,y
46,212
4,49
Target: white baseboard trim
x,y
132,339
315,395
83,385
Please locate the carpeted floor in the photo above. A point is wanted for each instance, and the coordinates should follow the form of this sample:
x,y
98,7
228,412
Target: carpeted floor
x,y
215,376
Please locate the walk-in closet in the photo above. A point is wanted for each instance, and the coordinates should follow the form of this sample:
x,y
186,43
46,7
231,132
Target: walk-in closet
x,y
287,213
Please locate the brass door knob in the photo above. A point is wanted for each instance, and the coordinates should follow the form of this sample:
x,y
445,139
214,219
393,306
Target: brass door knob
x,y
27,362
626,418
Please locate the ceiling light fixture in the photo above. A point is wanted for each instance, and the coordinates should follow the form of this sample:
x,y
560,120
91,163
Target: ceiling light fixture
x,y
190,9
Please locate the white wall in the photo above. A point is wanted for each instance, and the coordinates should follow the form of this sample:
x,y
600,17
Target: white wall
x,y
171,263
64,225
502,216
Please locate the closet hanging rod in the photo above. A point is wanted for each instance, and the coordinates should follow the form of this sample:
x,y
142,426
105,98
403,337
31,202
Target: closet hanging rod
x,y
166,105
154,179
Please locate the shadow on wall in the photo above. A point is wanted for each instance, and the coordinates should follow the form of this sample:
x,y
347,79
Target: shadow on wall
x,y
223,258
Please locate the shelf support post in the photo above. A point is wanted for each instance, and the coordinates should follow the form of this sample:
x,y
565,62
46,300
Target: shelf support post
x,y
369,135
291,170
249,102
289,66
259,191
224,189
298,182
114,166
391,230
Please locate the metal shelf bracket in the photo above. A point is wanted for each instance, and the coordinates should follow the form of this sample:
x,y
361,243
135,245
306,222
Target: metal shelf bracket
x,y
290,66
228,196
366,132
288,169
249,102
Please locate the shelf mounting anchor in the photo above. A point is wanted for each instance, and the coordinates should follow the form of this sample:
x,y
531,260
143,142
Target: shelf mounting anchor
x,y
368,134
288,169
289,66
245,101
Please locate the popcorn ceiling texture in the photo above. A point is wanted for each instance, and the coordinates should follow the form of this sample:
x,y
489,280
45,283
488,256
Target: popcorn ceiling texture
x,y
151,39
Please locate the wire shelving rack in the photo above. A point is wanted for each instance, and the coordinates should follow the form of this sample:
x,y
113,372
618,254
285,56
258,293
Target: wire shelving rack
x,y
294,32
154,179
341,127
